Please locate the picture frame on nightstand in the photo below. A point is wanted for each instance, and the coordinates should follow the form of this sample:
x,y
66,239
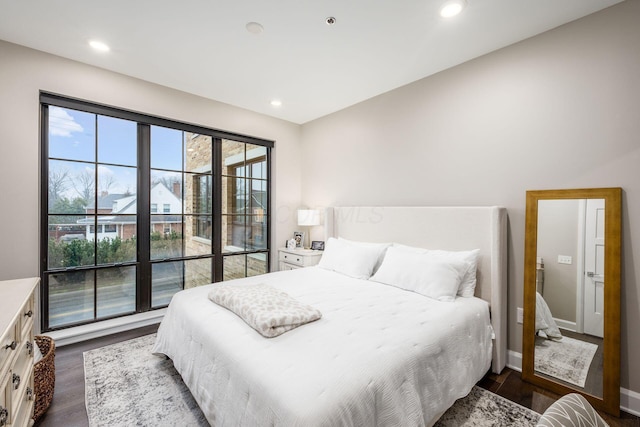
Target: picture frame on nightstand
x,y
317,245
299,238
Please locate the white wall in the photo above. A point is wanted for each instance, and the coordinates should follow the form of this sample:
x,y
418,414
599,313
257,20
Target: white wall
x,y
24,72
560,110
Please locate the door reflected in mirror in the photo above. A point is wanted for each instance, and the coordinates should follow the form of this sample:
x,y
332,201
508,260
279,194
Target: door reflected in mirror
x,y
571,330
570,292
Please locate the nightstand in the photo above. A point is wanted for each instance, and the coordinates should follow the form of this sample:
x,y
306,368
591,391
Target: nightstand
x,y
290,259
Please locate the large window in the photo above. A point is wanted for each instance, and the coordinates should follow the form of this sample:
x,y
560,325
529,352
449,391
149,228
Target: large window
x,y
137,208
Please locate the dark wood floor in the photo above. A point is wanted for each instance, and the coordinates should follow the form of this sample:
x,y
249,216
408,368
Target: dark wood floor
x,y
510,386
68,408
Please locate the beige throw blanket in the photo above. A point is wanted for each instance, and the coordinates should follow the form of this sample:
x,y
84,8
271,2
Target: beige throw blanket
x,y
267,310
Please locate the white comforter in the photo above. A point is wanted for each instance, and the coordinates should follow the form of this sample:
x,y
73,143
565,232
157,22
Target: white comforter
x,y
380,356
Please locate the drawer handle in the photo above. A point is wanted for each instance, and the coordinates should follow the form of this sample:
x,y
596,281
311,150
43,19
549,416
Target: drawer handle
x,y
29,393
4,416
30,348
16,381
29,313
298,259
11,346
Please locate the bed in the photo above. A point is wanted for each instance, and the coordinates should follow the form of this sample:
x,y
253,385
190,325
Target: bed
x,y
379,355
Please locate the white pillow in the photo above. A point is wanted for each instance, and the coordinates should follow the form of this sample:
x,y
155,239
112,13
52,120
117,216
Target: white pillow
x,y
407,248
352,260
381,247
468,284
421,273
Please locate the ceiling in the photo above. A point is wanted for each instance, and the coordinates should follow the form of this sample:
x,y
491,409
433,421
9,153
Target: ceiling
x,y
203,46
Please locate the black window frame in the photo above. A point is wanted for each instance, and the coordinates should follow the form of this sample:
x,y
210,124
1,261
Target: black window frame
x,y
143,262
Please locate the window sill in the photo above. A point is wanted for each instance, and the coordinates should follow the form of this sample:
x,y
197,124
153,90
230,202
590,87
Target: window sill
x,y
107,327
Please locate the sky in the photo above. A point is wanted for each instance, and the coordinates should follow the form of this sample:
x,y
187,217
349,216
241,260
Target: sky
x,y
72,136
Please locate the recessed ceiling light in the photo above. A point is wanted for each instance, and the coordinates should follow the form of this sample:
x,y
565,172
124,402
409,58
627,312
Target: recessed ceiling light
x,y
254,28
452,8
276,103
330,20
98,45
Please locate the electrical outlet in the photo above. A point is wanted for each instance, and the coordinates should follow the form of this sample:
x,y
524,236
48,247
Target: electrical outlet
x,y
564,259
520,315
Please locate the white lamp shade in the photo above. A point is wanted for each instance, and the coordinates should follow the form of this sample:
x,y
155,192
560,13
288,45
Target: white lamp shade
x,y
308,217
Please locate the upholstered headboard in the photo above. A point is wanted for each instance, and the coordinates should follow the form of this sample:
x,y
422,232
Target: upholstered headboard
x,y
448,228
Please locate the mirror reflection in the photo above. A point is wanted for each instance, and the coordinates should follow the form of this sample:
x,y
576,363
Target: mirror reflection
x,y
569,318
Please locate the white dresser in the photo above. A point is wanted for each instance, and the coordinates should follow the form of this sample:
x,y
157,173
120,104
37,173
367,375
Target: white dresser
x,y
289,259
17,313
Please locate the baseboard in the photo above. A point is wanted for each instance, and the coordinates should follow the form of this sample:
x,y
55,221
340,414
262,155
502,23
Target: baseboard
x,y
629,399
514,360
112,326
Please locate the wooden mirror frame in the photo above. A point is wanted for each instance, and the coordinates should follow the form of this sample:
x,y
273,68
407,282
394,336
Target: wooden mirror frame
x,y
610,400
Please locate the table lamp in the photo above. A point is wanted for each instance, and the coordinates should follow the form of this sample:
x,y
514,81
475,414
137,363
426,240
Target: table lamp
x,y
308,218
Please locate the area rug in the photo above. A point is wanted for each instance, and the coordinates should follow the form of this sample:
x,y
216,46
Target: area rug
x,y
125,385
483,408
568,359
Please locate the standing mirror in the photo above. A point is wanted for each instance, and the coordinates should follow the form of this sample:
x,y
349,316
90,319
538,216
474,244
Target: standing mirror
x,y
571,331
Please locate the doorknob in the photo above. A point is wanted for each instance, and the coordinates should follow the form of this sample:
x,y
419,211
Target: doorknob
x,y
598,277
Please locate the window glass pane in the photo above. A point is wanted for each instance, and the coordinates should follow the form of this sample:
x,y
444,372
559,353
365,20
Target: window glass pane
x,y
197,272
233,158
199,153
257,233
166,189
256,264
257,159
166,148
234,267
72,134
116,239
259,170
197,240
116,291
67,242
166,236
258,199
234,197
233,233
70,297
71,187
117,141
198,194
166,280
117,189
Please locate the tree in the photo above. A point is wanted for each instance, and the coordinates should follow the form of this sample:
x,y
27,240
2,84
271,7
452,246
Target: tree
x,y
84,184
106,181
58,184
65,206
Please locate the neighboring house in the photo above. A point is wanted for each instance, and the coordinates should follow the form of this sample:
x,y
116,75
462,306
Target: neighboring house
x,y
117,214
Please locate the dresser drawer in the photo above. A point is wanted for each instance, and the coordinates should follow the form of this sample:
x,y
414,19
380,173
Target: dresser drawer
x,y
292,258
26,316
8,346
5,401
23,404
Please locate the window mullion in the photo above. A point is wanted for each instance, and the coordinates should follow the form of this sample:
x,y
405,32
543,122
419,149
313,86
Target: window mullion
x,y
143,293
216,238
